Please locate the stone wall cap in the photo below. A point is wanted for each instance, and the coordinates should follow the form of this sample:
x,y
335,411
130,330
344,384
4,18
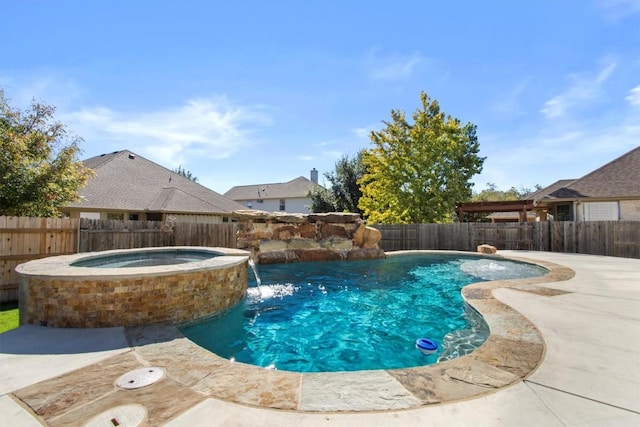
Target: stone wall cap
x,y
60,266
335,217
298,218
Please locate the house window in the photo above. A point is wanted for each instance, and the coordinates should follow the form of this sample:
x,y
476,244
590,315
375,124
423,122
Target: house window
x,y
116,216
282,205
601,211
133,217
154,216
563,212
259,201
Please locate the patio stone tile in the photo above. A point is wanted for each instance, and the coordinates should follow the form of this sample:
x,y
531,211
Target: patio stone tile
x,y
75,389
515,356
184,361
163,400
252,386
453,380
354,391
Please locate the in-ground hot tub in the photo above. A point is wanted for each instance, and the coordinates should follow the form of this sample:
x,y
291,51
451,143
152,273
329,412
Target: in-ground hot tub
x,y
131,286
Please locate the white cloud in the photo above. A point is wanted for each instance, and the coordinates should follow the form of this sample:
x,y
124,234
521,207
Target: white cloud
x,y
390,68
203,127
541,151
584,89
634,96
617,10
335,154
560,151
52,89
365,132
200,128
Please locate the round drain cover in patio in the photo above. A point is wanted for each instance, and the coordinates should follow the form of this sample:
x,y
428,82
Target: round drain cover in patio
x,y
133,415
140,378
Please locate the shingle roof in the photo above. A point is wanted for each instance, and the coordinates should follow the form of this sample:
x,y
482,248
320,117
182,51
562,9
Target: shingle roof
x,y
298,187
544,193
125,181
618,178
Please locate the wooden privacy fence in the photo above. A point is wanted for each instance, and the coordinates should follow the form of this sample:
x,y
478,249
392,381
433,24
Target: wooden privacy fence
x,y
612,238
23,239
102,235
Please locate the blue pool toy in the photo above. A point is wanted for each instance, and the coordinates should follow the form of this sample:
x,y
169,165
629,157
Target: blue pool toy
x,y
426,346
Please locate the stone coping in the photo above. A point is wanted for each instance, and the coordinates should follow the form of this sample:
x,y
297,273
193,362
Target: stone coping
x,y
512,352
59,267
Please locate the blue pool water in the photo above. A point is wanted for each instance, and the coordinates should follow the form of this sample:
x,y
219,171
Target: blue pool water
x,y
145,258
356,315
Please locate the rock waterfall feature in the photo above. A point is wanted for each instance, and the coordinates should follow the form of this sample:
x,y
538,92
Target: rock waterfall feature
x,y
274,237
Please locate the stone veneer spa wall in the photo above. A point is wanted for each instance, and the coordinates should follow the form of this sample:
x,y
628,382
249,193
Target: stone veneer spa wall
x,y
55,293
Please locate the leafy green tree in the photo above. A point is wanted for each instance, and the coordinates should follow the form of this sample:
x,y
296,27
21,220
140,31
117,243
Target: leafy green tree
x,y
39,171
416,172
187,174
322,200
491,193
344,192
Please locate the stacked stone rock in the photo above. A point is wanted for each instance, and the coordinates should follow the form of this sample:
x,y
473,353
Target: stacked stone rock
x,y
281,237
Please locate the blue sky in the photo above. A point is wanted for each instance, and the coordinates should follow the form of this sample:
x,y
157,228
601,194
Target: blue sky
x,y
253,92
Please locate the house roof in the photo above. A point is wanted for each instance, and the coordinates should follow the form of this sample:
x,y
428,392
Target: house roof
x,y
125,181
296,188
551,189
619,178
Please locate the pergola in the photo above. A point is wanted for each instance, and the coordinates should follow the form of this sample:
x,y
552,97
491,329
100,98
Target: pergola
x,y
520,206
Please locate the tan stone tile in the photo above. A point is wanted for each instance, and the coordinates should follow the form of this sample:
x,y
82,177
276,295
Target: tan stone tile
x,y
515,356
354,391
163,345
453,380
253,386
61,394
163,400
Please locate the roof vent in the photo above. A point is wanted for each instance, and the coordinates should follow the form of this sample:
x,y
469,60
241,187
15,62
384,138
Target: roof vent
x,y
132,156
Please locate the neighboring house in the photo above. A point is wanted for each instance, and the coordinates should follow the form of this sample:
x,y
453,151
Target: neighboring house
x,y
291,197
609,193
511,216
128,186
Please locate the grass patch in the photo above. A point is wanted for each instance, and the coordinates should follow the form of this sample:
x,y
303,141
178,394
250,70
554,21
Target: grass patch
x,y
9,318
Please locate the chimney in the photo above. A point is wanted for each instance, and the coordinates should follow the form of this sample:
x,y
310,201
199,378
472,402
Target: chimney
x,y
314,175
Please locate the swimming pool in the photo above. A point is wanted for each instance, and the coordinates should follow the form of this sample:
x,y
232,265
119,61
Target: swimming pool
x,y
358,315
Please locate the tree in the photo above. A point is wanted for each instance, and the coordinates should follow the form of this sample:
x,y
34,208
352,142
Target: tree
x,y
492,194
415,173
322,200
39,171
344,193
182,171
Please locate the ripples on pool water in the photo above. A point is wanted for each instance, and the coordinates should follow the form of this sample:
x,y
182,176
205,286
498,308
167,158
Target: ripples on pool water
x,y
145,259
356,315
